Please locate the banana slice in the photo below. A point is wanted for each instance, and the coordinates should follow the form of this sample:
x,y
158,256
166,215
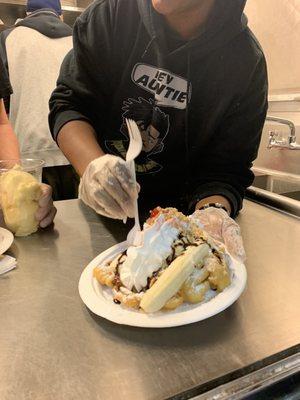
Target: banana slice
x,y
168,284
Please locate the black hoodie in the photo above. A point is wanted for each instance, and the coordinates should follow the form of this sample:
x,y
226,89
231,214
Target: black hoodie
x,y
200,104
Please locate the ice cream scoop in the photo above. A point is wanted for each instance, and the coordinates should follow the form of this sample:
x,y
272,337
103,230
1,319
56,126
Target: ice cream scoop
x,y
142,261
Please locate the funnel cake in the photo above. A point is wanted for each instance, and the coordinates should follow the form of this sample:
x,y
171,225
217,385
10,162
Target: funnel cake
x,y
177,263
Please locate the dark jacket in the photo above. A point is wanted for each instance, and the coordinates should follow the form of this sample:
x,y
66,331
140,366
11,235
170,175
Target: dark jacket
x,y
200,104
5,88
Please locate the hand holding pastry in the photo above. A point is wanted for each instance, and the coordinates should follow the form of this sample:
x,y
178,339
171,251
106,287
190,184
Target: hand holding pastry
x,y
26,203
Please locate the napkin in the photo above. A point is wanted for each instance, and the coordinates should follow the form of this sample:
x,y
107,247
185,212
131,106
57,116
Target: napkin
x,y
7,263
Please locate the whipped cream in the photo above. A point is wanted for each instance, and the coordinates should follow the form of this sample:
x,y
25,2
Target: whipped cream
x,y
142,261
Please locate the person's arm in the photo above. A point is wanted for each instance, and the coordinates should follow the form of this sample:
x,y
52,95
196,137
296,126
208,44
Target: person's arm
x,y
80,103
77,140
214,200
4,66
229,174
9,147
227,166
78,109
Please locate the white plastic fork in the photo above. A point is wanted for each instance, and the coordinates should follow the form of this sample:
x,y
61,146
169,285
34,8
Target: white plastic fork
x,y
134,236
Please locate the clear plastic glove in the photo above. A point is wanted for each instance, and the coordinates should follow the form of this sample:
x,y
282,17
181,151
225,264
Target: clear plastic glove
x,y
46,211
221,227
107,186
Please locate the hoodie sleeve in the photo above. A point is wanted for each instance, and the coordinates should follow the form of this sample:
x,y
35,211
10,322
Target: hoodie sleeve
x,y
228,165
5,87
84,69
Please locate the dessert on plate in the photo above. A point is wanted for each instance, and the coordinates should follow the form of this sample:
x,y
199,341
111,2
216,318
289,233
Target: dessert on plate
x,y
177,263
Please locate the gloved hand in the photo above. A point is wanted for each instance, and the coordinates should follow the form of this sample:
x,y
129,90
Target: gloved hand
x,y
221,227
107,186
46,211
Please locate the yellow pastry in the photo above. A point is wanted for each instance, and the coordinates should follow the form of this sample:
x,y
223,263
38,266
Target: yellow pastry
x,y
19,195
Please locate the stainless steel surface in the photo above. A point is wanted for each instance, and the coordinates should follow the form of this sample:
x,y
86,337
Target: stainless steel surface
x,y
276,201
276,182
52,347
254,382
276,189
83,3
277,139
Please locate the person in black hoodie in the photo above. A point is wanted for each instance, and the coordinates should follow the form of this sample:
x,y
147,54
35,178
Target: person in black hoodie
x,y
193,77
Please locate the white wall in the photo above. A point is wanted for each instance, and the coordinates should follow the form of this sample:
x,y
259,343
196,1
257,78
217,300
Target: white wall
x,y
276,24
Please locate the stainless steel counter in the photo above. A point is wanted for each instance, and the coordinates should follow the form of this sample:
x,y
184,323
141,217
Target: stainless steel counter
x,y
53,348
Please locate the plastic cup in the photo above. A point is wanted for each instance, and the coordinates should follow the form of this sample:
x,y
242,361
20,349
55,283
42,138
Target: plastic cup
x,y
19,194
30,165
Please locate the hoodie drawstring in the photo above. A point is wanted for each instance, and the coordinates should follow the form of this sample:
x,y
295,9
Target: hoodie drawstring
x,y
186,124
148,46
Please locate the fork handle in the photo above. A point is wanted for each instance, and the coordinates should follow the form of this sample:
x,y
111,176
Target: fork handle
x,y
136,210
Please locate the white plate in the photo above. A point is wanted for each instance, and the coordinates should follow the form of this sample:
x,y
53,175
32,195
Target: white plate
x,y
6,240
99,299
